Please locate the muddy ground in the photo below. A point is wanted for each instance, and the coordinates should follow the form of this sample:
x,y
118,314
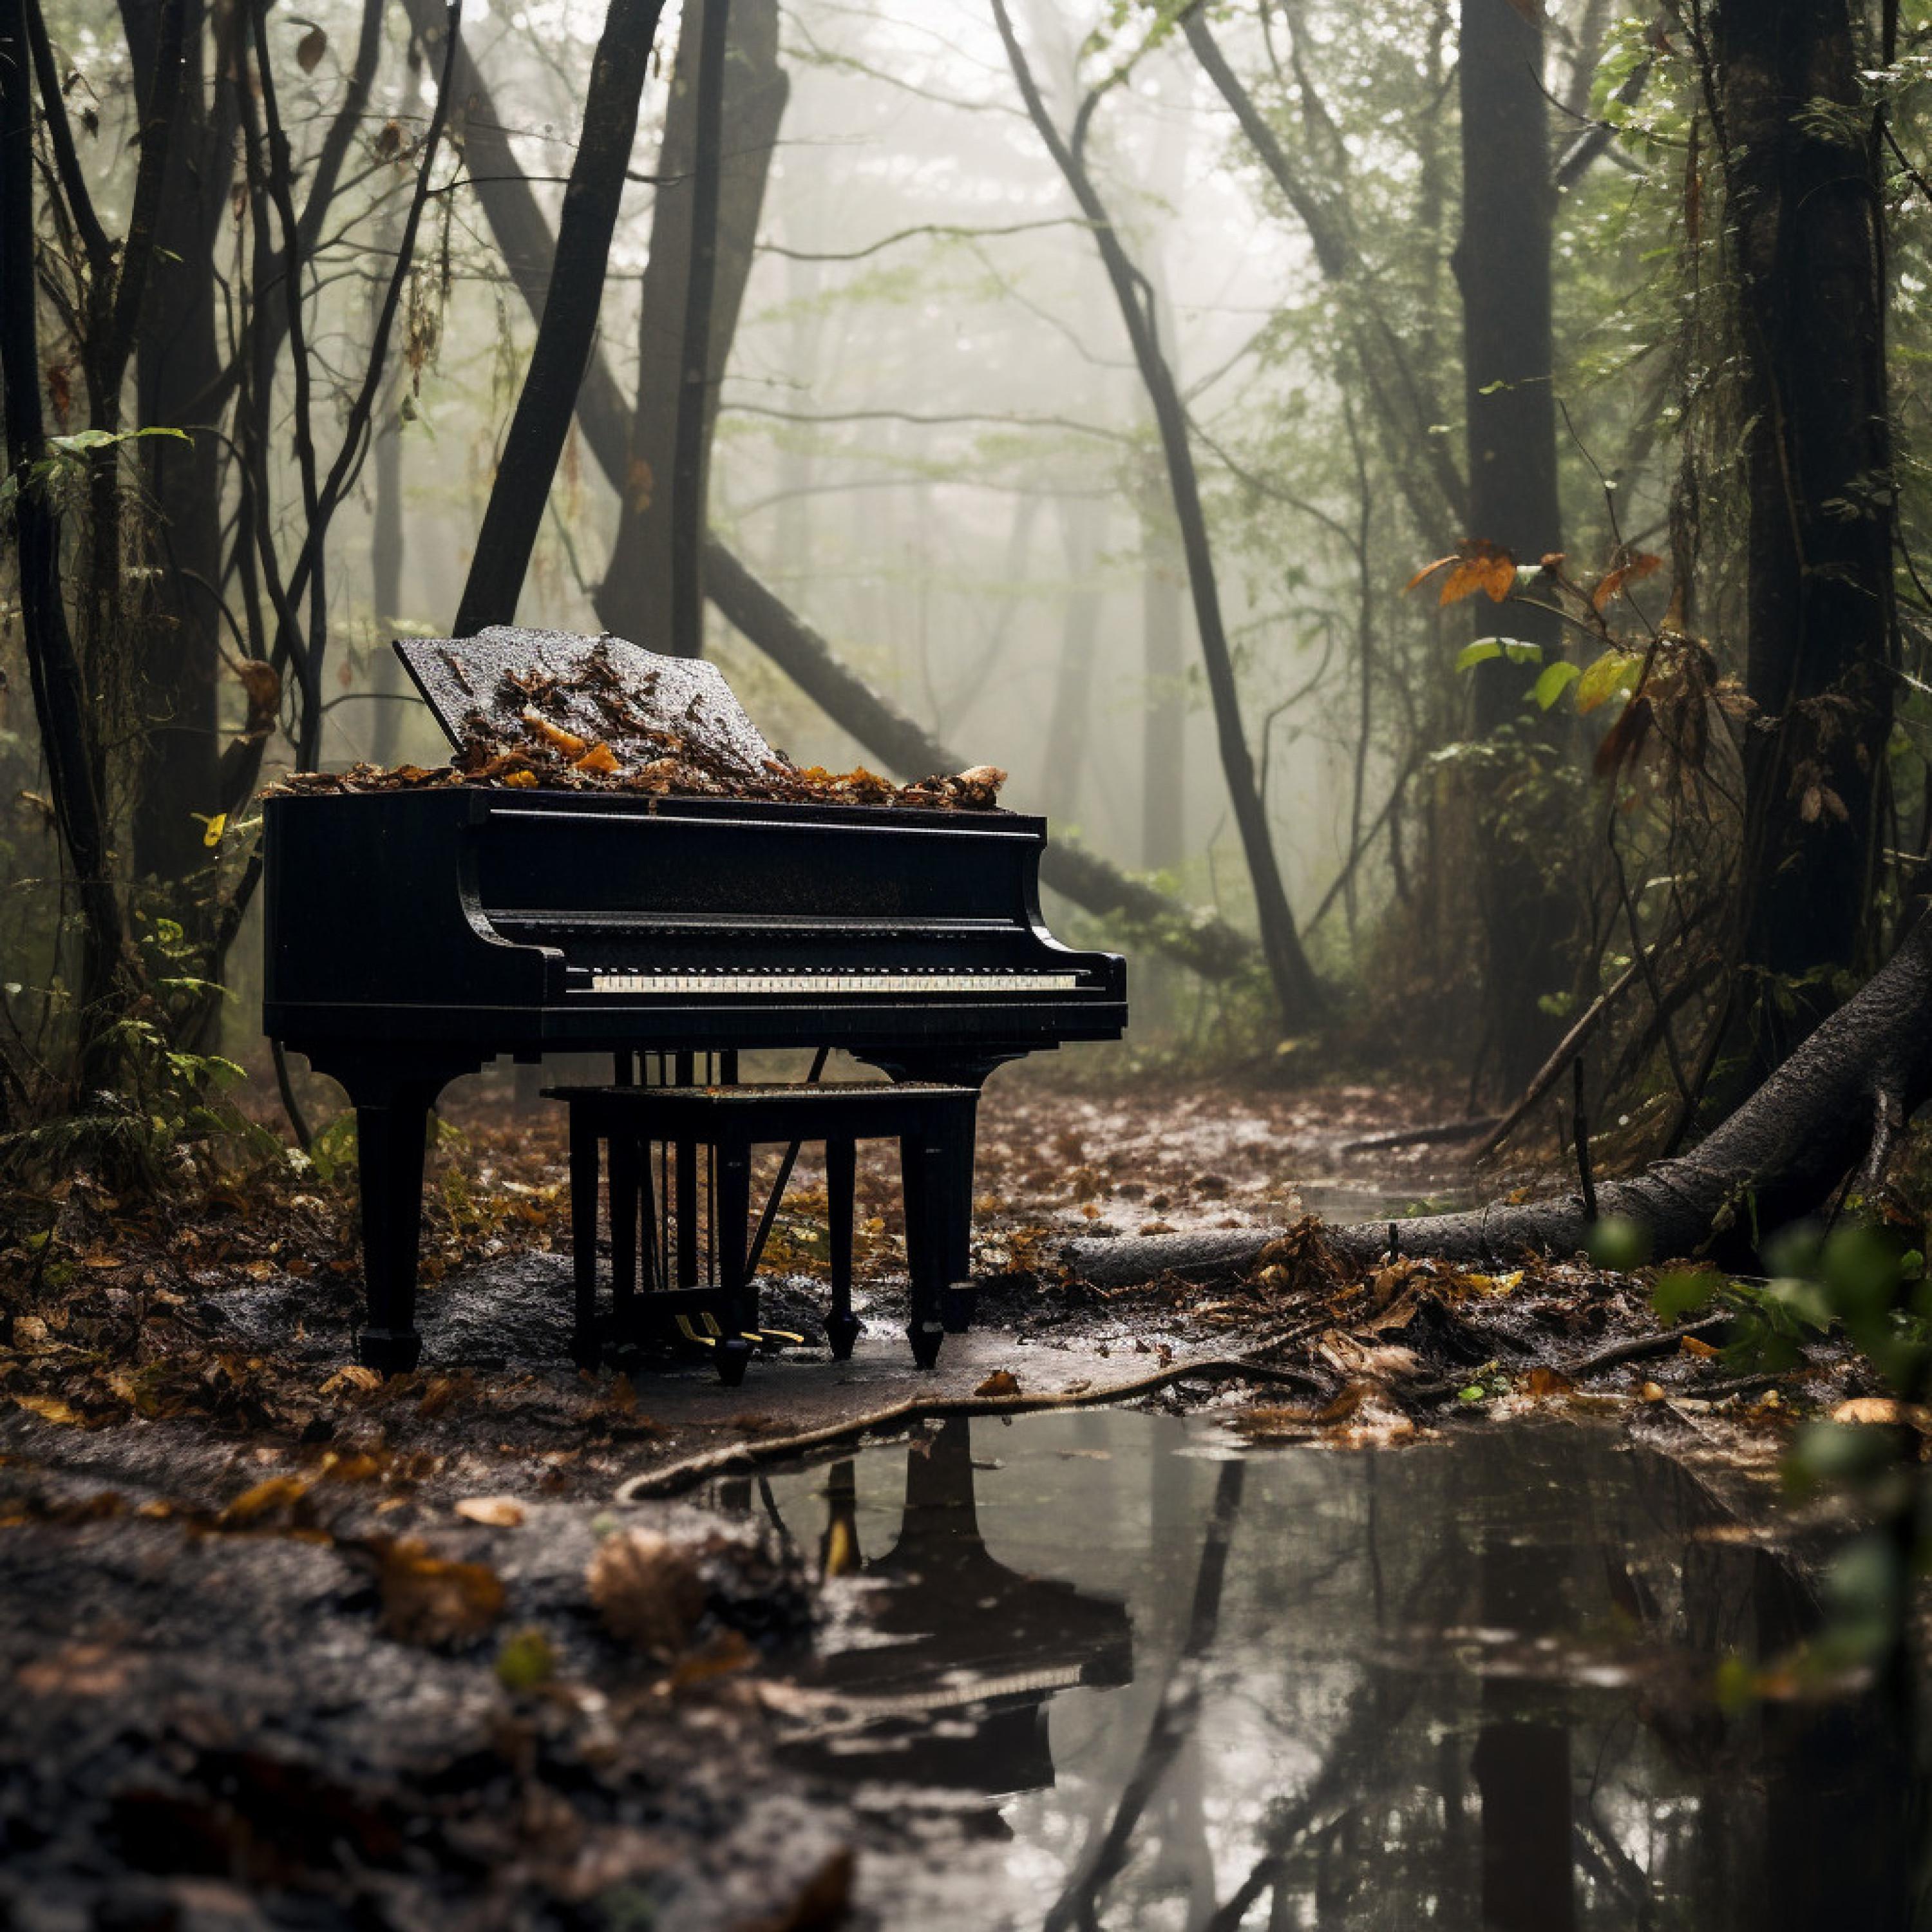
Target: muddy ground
x,y
285,1644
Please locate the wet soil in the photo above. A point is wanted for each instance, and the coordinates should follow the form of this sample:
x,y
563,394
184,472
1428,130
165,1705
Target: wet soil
x,y
287,1645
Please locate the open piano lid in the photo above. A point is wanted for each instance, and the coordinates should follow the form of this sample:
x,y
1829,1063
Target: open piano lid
x,y
634,700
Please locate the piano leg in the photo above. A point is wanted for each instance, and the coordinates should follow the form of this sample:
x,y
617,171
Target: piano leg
x,y
956,1210
392,1120
842,1325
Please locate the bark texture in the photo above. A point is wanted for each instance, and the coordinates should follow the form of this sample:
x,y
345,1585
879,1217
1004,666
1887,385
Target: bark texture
x,y
635,599
569,329
1835,1108
1502,265
1801,199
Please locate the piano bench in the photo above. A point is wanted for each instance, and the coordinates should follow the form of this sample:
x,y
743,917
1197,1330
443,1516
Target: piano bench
x,y
933,1124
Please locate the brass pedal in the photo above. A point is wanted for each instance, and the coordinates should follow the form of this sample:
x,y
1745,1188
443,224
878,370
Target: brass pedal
x,y
778,1335
691,1334
710,1321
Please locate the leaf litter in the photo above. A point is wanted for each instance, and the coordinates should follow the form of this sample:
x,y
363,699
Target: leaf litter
x,y
490,1688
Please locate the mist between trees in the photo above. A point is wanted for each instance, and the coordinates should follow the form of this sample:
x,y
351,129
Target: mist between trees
x,y
1082,392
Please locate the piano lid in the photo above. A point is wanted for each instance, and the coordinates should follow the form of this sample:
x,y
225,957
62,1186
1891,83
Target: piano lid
x,y
634,700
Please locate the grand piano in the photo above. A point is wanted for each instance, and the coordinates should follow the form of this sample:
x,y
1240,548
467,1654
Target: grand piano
x,y
411,935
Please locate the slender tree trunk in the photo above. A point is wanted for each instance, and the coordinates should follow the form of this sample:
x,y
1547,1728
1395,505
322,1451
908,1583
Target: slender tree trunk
x,y
1503,264
178,369
1298,994
1164,721
568,329
1082,529
1802,198
59,692
635,599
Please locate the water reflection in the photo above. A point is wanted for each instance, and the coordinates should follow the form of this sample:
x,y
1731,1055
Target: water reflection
x,y
1465,1686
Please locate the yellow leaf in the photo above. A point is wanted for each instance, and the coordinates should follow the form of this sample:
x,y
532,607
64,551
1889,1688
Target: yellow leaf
x,y
1615,670
50,1408
1001,1381
355,1376
428,1601
524,778
600,757
1696,1345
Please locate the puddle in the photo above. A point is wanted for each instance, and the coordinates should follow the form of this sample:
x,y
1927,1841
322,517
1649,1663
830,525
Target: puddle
x,y
1164,1684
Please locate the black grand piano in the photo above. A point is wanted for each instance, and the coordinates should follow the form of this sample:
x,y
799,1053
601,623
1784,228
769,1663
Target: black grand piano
x,y
411,935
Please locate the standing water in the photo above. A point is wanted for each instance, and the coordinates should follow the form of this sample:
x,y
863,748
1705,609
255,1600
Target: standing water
x,y
1169,1684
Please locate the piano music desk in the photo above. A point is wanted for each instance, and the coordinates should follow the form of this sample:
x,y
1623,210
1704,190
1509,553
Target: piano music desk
x,y
933,1124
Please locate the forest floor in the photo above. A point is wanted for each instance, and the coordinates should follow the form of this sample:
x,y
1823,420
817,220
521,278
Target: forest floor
x,y
285,1644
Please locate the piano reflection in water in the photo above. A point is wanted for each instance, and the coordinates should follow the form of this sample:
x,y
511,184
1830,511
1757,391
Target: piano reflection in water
x,y
962,1655
411,935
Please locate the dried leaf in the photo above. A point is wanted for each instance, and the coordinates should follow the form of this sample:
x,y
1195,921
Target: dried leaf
x,y
498,1512
1544,1384
50,1408
1696,1346
427,1600
825,1901
355,1376
647,1589
75,1670
600,757
310,50
277,1493
1001,1381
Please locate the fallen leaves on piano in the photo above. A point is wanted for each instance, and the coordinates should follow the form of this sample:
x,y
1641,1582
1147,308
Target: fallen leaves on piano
x,y
1001,1381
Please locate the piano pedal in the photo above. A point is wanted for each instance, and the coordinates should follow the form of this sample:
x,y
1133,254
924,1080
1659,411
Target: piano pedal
x,y
710,1321
690,1334
775,1338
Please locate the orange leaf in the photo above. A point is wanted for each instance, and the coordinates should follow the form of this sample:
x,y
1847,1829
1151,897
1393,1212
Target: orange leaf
x,y
1428,570
1480,565
600,757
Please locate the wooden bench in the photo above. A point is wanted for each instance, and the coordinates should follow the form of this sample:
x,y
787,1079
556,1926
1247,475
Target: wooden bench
x,y
933,1124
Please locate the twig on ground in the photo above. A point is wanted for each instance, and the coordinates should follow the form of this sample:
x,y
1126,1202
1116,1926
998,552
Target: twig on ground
x,y
744,1455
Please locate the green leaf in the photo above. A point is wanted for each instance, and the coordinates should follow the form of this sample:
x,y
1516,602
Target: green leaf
x,y
1483,649
1555,680
1682,1292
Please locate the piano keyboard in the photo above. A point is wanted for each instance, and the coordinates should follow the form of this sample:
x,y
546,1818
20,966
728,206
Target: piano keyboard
x,y
603,980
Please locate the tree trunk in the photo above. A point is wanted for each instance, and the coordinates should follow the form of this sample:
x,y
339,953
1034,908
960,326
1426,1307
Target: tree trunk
x,y
60,696
635,599
1164,722
1503,265
1082,529
178,369
1299,997
1835,1107
569,329
1817,462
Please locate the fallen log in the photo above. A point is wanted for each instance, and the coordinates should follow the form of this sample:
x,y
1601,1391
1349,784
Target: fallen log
x,y
1214,949
1834,1111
